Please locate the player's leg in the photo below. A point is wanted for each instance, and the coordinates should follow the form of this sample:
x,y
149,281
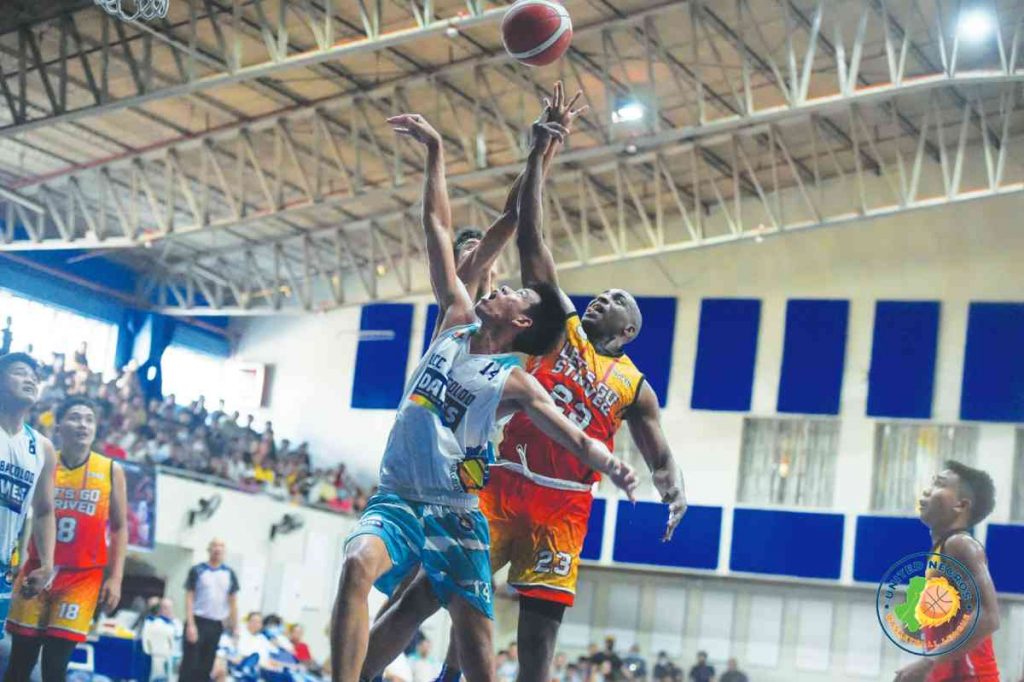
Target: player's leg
x,y
55,658
24,656
474,636
539,621
366,559
381,550
394,629
544,572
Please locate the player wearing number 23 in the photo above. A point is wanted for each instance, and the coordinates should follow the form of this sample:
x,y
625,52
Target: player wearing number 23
x,y
89,495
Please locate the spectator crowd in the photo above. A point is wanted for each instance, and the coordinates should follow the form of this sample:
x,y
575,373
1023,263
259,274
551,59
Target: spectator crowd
x,y
192,438
607,665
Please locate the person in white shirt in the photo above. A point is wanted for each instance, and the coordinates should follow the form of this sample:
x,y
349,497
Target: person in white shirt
x,y
252,641
424,668
158,640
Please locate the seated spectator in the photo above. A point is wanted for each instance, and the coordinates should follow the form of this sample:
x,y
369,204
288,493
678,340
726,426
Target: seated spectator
x,y
634,666
559,668
664,669
159,632
702,672
299,647
732,673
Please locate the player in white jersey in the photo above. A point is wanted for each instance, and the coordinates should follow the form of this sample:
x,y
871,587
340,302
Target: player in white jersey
x,y
440,445
27,462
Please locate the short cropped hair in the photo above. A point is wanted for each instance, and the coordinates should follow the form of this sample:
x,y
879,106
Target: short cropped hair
x,y
976,485
548,318
464,235
75,401
11,358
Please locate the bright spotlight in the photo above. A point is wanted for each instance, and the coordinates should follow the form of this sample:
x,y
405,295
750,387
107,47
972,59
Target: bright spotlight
x,y
975,25
629,111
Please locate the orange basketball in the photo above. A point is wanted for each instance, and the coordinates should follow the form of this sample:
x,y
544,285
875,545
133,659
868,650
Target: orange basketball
x,y
536,32
936,600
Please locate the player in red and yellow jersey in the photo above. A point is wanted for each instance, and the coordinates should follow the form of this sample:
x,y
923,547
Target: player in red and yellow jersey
x,y
958,499
89,499
538,500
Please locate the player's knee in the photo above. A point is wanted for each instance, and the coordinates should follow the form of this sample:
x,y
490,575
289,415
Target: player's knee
x,y
360,568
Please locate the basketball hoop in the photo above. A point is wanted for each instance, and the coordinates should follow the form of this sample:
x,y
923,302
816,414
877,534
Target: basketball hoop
x,y
133,10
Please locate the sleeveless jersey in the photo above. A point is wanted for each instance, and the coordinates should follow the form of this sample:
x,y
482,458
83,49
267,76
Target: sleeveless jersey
x,y
594,391
21,460
81,500
977,664
439,449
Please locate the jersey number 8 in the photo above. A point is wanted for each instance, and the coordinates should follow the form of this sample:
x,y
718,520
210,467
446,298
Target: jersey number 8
x,y
66,527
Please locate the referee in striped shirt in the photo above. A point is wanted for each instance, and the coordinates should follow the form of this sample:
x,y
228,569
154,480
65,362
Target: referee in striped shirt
x,y
211,592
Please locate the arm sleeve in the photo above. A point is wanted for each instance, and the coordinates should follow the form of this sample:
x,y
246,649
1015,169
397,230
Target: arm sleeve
x,y
233,588
192,579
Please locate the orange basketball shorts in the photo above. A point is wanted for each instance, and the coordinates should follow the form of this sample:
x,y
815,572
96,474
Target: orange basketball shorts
x,y
539,531
65,610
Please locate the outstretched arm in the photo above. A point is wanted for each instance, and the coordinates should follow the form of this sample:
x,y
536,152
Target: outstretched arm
x,y
474,268
644,419
525,393
450,293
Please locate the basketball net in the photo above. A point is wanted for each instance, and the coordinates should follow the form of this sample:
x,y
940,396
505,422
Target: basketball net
x,y
132,10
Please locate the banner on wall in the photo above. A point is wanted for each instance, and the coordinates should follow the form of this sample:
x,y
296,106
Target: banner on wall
x,y
141,483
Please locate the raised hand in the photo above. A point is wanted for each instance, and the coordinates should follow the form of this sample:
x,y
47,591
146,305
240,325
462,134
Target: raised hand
x,y
557,110
416,127
544,133
625,478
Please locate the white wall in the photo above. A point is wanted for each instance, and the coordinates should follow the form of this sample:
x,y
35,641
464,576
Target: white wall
x,y
294,575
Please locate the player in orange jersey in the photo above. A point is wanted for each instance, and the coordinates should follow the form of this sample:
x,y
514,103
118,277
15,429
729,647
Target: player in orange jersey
x,y
958,499
538,499
89,497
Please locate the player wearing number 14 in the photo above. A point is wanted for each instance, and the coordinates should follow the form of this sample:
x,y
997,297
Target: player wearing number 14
x,y
89,496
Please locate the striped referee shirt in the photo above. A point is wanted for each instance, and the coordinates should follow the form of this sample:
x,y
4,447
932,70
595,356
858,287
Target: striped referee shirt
x,y
212,587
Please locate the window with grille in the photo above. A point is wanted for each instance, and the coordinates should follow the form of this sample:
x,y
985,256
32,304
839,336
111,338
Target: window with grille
x,y
1017,510
907,457
788,461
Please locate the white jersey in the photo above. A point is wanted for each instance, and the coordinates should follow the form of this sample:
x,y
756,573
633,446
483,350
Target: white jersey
x,y
440,446
21,460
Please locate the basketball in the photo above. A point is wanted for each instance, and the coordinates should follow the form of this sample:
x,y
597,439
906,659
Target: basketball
x,y
938,603
536,32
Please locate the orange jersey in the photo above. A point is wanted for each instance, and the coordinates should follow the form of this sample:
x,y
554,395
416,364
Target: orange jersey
x,y
594,391
82,509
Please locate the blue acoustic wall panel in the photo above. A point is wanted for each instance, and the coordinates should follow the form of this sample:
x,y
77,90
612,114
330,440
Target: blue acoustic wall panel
x,y
723,377
595,531
428,329
640,527
800,544
380,363
651,351
1004,545
812,356
993,383
882,540
901,381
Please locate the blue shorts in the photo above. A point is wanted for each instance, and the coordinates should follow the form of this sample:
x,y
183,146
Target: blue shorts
x,y
452,545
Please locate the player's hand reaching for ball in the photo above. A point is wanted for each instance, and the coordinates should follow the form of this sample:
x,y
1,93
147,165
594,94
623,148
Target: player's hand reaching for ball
x,y
416,127
110,594
624,477
557,110
669,485
37,581
545,133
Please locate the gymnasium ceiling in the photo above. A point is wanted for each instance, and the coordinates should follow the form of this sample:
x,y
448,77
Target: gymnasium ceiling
x,y
236,155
